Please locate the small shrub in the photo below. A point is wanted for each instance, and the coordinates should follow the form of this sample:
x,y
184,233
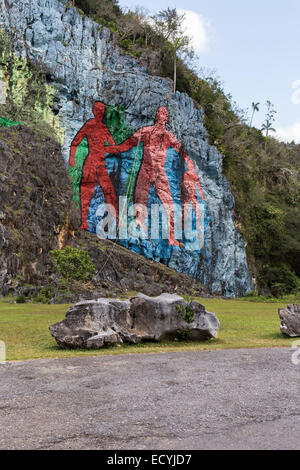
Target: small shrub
x,y
183,334
125,44
73,264
47,292
279,279
21,299
188,316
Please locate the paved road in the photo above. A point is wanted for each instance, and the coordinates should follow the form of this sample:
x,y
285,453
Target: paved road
x,y
241,399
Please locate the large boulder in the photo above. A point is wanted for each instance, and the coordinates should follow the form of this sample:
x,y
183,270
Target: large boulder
x,y
290,320
96,323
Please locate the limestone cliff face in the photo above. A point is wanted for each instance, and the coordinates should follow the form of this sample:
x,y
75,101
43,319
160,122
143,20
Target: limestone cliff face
x,y
85,68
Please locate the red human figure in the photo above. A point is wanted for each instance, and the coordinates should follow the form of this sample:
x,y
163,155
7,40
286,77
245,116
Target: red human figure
x,y
189,194
97,134
156,141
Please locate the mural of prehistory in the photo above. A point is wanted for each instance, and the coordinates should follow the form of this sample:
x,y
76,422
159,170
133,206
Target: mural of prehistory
x,y
142,170
93,168
142,167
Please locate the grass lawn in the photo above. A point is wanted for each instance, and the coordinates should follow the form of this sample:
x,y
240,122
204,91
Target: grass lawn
x,y
244,324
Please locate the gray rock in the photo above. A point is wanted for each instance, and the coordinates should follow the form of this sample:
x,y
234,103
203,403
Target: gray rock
x,y
290,320
96,323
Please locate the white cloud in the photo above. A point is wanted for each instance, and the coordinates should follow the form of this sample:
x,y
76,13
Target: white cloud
x,y
199,29
287,134
296,94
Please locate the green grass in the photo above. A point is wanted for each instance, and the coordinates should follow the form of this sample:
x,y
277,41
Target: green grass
x,y
244,324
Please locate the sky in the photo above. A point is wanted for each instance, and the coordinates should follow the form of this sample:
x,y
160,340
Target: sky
x,y
254,47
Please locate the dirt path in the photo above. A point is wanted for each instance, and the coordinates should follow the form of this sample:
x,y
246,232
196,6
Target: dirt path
x,y
245,399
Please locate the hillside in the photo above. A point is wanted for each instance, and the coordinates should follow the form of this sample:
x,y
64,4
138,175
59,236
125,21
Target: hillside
x,y
264,174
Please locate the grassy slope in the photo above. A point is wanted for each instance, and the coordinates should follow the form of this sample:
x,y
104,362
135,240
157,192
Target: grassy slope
x,y
244,324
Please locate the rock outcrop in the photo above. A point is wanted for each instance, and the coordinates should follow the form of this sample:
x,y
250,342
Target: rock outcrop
x,y
36,203
97,323
84,66
38,215
290,320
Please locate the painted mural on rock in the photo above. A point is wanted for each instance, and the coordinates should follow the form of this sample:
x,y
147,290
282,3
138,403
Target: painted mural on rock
x,y
84,67
147,182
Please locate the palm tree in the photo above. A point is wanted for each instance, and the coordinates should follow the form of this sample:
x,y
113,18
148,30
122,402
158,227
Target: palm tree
x,y
267,126
255,107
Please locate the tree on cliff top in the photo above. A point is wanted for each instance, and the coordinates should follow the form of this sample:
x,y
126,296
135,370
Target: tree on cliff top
x,y
255,108
132,24
169,23
270,119
107,9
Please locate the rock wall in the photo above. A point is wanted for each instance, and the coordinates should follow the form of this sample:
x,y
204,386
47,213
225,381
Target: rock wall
x,y
141,111
24,94
36,202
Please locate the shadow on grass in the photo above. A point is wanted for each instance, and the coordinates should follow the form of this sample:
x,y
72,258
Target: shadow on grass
x,y
126,347
278,335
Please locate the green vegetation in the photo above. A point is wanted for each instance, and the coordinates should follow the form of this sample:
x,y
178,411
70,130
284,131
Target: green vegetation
x,y
188,316
8,123
24,328
115,120
45,294
28,98
75,171
73,264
